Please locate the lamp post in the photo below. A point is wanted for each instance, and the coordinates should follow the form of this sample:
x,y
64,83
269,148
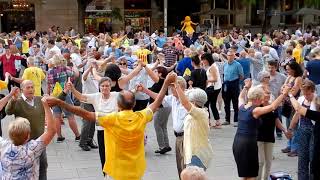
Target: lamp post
x,y
165,17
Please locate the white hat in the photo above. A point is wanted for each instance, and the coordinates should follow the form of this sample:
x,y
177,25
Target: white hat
x,y
198,96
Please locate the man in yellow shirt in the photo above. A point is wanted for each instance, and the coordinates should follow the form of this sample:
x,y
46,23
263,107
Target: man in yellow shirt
x,y
125,158
142,53
34,74
217,40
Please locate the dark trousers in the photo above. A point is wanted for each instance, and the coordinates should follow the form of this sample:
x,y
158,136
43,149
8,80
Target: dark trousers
x,y
279,131
102,152
140,105
43,166
88,127
212,101
230,92
305,152
315,162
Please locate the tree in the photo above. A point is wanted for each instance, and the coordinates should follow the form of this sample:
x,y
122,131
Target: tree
x,y
312,3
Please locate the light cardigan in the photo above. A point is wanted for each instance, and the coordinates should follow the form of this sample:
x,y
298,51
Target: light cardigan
x,y
196,136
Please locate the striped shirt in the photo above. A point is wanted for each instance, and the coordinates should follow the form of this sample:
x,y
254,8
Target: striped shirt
x,y
170,55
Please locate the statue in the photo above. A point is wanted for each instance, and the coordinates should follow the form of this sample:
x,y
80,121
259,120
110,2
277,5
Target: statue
x,y
187,25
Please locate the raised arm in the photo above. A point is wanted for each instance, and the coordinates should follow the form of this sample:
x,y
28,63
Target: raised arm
x,y
90,116
152,75
294,121
158,101
123,81
258,111
76,93
5,100
86,73
147,91
183,98
47,136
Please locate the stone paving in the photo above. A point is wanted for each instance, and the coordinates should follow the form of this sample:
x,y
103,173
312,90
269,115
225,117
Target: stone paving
x,y
68,162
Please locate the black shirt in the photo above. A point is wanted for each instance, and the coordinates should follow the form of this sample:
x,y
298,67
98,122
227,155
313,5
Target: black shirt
x,y
199,78
267,127
156,87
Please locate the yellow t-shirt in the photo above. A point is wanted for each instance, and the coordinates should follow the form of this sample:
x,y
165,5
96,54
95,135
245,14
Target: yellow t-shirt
x,y
297,54
124,134
143,54
36,75
216,42
25,46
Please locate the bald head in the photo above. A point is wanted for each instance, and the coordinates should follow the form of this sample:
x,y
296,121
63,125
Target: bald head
x,y
26,83
126,100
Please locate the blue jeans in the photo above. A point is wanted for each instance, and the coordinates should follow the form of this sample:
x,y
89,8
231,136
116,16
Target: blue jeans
x,y
292,143
196,161
305,151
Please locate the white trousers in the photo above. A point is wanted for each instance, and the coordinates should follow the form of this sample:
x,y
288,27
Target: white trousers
x,y
265,150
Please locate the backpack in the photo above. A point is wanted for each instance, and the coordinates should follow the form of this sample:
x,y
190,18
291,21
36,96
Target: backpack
x,y
280,176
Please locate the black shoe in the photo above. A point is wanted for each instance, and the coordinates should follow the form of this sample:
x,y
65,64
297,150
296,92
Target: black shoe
x,y
60,139
163,150
85,147
92,145
77,138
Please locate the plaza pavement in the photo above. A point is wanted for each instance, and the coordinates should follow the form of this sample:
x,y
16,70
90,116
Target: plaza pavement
x,y
67,161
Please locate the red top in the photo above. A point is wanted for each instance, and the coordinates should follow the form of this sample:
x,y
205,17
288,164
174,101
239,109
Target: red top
x,y
8,64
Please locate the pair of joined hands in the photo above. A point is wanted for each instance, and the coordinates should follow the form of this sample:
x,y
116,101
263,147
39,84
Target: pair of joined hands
x,y
170,79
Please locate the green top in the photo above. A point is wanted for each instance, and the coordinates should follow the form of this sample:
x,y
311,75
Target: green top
x,y
35,114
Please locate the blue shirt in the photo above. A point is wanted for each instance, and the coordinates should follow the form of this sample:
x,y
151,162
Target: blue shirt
x,y
130,61
183,65
161,41
245,63
232,71
313,67
117,52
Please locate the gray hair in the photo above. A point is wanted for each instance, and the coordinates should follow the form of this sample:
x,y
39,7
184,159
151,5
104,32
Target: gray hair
x,y
262,75
315,52
23,84
19,131
193,173
255,93
104,79
198,96
182,82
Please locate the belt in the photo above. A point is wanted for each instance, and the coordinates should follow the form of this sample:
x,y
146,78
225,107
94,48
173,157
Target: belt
x,y
178,134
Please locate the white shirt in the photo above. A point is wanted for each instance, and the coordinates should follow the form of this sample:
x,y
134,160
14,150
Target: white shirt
x,y
103,105
31,103
76,60
142,78
53,51
90,85
217,85
178,112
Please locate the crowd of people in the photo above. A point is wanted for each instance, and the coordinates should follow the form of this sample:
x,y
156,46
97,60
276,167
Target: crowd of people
x,y
120,82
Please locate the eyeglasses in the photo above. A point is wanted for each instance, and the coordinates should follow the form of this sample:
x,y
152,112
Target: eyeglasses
x,y
267,77
122,64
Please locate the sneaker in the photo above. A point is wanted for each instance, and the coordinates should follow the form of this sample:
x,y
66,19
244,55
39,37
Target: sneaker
x,y
85,147
235,124
77,138
92,145
60,139
285,150
225,123
293,154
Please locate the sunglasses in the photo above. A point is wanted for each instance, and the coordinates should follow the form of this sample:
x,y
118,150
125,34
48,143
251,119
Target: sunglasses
x,y
122,63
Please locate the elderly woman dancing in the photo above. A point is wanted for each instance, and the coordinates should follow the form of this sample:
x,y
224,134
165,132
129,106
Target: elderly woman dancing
x,y
245,149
